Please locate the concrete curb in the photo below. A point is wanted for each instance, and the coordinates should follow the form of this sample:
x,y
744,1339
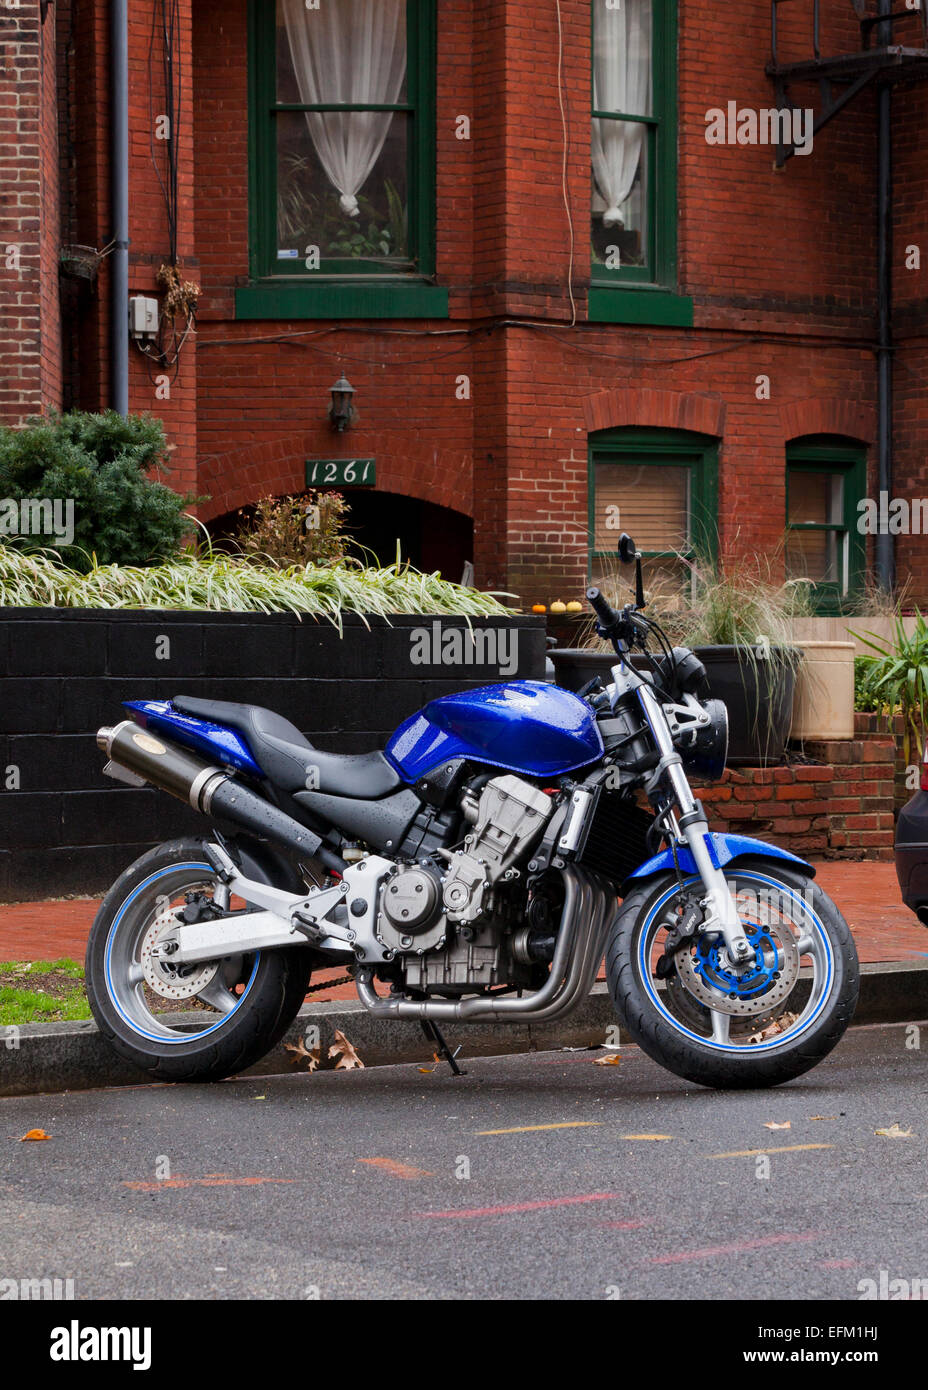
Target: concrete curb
x,y
54,1057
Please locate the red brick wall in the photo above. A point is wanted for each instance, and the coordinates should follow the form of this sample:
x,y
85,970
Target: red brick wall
x,y
30,346
781,265
842,808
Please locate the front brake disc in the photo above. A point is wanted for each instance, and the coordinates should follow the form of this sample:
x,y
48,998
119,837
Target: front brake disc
x,y
758,988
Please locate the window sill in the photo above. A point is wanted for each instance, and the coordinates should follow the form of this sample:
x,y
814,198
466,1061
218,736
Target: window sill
x,y
610,304
340,299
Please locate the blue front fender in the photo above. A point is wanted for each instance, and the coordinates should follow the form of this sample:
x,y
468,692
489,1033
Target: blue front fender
x,y
723,849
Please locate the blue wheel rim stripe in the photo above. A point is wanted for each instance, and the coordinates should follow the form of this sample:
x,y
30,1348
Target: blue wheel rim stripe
x,y
750,1049
110,940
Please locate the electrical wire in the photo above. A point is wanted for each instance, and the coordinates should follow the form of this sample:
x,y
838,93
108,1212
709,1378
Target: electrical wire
x,y
564,163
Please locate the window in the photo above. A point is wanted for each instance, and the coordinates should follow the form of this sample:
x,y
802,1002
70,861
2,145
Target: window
x,y
825,480
634,154
660,486
343,152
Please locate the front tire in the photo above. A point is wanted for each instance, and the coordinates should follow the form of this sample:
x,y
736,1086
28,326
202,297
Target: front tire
x,y
246,1002
747,1042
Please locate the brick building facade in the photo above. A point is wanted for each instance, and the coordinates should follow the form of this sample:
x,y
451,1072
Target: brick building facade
x,y
504,377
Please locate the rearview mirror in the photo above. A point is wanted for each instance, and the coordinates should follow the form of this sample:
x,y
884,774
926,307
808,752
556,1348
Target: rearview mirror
x,y
628,554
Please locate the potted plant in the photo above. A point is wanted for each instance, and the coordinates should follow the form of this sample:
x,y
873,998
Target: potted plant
x,y
739,622
895,680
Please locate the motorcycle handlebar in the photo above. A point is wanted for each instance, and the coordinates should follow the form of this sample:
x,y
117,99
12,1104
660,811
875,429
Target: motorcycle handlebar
x,y
602,608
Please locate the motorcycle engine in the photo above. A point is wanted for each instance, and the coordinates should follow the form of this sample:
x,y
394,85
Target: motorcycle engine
x,y
449,927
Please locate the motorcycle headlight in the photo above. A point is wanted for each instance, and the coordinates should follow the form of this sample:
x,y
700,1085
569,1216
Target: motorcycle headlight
x,y
705,752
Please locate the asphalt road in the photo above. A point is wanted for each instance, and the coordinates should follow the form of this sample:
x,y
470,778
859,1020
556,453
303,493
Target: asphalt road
x,y
354,1184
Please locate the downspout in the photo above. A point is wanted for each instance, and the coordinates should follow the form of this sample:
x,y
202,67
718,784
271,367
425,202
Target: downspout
x,y
119,152
885,545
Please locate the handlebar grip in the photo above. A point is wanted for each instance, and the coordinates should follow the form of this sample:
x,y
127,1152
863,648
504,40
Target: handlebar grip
x,y
601,607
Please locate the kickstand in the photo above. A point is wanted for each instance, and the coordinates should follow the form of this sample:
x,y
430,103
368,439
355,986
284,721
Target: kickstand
x,y
435,1035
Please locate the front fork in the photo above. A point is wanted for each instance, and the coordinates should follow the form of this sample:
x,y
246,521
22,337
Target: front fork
x,y
694,827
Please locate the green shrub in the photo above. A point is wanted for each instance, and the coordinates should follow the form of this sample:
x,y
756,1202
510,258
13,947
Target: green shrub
x,y
305,530
100,464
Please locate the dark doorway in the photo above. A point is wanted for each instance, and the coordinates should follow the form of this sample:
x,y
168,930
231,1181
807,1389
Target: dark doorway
x,y
430,537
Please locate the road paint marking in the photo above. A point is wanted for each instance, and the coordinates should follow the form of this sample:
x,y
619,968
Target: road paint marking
x,y
205,1182
711,1251
647,1136
523,1206
527,1129
786,1149
397,1169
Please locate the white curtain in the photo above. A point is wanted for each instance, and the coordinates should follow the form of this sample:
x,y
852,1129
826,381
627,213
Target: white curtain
x,y
348,51
621,82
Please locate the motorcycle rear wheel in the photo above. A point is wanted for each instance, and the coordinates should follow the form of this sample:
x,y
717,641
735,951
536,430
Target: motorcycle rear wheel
x,y
246,1003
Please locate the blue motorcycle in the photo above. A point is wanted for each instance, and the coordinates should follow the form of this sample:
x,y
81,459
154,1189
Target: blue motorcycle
x,y
479,868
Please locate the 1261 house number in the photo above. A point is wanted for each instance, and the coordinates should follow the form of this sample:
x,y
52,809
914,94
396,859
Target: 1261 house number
x,y
341,472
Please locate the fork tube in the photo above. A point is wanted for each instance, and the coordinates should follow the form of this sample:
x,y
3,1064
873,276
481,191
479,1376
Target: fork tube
x,y
695,828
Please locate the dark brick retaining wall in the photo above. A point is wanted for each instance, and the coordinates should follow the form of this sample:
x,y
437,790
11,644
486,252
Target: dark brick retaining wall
x,y
69,829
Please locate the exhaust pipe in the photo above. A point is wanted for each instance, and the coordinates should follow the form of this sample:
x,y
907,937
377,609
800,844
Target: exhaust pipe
x,y
207,788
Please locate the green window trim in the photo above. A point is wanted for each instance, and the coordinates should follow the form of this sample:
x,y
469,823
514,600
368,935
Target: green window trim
x,y
674,448
341,288
826,454
645,304
661,272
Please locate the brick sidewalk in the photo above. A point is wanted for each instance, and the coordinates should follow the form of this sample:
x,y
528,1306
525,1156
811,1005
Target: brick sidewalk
x,y
866,892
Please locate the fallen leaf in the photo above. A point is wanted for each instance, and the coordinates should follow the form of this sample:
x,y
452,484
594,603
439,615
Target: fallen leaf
x,y
35,1134
612,1061
259,1097
647,1136
299,1052
779,1025
823,1117
341,1048
772,1124
895,1132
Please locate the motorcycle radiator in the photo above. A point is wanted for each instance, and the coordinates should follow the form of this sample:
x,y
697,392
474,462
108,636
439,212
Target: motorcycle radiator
x,y
617,840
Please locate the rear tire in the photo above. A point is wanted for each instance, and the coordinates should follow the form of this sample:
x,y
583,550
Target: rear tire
x,y
273,983
734,1063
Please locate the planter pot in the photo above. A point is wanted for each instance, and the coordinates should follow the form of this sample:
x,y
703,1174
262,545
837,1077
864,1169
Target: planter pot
x,y
759,696
823,704
574,667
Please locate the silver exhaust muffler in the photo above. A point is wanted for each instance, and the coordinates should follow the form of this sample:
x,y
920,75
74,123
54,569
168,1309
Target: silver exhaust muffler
x,y
209,789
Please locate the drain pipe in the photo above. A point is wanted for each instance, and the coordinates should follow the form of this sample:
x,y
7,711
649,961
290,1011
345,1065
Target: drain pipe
x,y
119,153
885,548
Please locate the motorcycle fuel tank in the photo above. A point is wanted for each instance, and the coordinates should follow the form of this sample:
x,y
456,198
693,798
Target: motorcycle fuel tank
x,y
529,727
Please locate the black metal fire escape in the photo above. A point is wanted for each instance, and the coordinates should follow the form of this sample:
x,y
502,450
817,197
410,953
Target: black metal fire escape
x,y
893,48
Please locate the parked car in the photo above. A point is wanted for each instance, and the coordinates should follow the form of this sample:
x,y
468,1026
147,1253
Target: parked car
x,y
912,848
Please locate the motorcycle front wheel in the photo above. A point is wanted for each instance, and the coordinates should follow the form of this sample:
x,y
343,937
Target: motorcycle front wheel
x,y
692,1011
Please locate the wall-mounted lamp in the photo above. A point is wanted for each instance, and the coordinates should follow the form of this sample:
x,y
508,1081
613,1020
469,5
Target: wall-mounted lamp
x,y
342,412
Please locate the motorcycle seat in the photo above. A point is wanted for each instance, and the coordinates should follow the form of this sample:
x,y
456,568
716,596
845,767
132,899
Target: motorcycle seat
x,y
288,758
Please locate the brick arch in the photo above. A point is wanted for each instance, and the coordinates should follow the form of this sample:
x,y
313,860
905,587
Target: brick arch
x,y
825,415
648,408
410,468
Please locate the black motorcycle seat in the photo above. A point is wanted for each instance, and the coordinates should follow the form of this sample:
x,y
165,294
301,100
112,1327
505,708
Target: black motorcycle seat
x,y
288,758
